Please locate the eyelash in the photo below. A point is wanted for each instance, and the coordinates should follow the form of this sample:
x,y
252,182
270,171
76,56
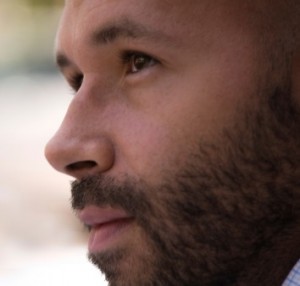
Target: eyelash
x,y
127,58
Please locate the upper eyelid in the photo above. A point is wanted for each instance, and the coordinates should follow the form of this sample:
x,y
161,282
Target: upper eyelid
x,y
127,54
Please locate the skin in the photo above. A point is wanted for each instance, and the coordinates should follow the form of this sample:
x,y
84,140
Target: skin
x,y
219,101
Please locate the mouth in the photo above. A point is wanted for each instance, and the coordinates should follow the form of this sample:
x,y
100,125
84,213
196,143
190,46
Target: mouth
x,y
107,227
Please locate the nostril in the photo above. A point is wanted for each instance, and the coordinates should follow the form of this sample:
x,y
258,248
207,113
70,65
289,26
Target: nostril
x,y
77,166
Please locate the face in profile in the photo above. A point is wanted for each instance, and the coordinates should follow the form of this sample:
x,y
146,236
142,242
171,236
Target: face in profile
x,y
181,136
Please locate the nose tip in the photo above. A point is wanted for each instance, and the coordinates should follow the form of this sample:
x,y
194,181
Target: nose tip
x,y
80,158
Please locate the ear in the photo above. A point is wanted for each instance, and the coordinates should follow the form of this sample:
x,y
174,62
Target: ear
x,y
296,76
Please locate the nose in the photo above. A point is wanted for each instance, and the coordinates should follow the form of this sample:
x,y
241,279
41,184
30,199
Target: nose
x,y
80,147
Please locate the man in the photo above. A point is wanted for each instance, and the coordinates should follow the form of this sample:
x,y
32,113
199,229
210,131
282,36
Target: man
x,y
183,136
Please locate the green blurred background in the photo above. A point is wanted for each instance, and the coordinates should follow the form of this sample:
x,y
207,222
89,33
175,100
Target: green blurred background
x,y
27,29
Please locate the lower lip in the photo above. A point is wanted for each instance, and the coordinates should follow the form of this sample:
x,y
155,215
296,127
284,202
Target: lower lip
x,y
106,235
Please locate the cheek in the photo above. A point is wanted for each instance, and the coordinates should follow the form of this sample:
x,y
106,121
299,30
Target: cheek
x,y
145,146
171,122
165,121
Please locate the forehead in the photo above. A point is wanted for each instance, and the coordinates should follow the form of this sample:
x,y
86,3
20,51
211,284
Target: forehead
x,y
96,12
188,22
173,16
82,18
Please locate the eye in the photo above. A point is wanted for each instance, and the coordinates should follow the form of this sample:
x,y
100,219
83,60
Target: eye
x,y
75,81
136,61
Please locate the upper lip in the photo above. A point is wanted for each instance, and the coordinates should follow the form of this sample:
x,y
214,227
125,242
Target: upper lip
x,y
93,215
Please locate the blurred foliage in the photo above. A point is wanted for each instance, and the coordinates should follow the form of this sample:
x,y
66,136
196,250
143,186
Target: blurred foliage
x,y
27,29
43,3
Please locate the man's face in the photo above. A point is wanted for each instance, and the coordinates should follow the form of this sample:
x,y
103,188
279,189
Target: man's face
x,y
168,136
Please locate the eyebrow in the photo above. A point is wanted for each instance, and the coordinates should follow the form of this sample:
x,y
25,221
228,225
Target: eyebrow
x,y
112,32
125,28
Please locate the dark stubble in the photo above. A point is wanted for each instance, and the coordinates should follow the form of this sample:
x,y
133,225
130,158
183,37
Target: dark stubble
x,y
205,224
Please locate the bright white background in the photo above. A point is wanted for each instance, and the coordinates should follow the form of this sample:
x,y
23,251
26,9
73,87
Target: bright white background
x,y
41,242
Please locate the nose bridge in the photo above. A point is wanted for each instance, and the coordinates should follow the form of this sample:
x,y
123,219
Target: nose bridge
x,y
86,116
81,146
81,117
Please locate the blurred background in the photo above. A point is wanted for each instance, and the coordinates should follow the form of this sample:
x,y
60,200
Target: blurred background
x,y
41,242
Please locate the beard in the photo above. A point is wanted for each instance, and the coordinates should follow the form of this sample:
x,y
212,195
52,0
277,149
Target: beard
x,y
212,218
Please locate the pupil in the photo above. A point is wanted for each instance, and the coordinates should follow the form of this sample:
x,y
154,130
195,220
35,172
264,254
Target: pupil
x,y
139,62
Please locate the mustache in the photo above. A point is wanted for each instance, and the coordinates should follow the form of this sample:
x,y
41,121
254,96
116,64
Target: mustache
x,y
103,191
